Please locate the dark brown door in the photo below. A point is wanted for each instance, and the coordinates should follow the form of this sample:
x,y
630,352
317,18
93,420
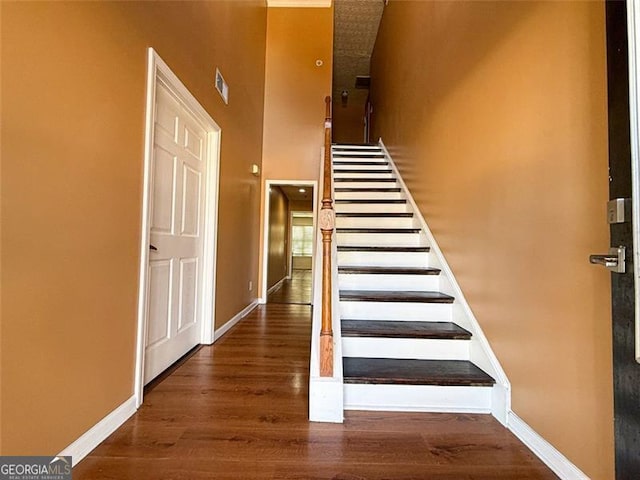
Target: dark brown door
x,y
626,371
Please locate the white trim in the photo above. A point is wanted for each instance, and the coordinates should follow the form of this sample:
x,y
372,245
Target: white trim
x,y
546,452
299,3
277,284
633,27
235,319
265,226
158,70
483,357
100,431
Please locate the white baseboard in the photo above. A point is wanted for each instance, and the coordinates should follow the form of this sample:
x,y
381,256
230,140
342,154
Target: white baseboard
x,y
546,452
277,285
236,318
100,431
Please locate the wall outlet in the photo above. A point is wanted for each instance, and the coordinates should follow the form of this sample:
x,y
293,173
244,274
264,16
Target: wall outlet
x,y
250,285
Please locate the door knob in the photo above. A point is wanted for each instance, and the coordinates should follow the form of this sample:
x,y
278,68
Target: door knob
x,y
152,247
614,260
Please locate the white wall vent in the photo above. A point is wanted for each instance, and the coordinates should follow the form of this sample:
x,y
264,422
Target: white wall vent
x,y
222,87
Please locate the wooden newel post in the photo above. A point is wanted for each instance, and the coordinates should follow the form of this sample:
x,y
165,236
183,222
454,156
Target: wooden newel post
x,y
326,223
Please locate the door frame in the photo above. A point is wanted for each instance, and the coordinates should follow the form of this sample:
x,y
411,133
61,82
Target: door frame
x,y
265,227
633,32
158,70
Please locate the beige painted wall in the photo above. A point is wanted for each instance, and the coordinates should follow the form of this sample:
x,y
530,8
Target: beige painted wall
x,y
496,115
295,89
348,122
73,92
277,261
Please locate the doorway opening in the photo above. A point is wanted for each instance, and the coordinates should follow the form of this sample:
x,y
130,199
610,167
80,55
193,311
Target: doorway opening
x,y
289,242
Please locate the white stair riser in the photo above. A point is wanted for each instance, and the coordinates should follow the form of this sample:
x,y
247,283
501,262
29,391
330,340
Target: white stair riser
x,y
365,184
367,195
363,166
409,348
433,312
356,158
362,174
375,222
381,239
417,398
372,152
384,259
372,208
357,281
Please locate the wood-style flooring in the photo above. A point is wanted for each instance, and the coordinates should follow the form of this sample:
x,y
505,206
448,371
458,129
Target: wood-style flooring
x,y
238,410
297,289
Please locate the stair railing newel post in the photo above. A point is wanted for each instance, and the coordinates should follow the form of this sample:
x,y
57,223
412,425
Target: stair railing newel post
x,y
326,222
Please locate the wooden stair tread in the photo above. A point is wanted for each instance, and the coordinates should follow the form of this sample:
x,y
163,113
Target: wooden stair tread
x,y
378,230
364,179
368,190
394,296
358,170
403,329
382,248
345,163
375,214
371,201
389,270
414,372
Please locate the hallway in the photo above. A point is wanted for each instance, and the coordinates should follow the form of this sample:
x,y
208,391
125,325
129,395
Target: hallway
x,y
297,289
238,410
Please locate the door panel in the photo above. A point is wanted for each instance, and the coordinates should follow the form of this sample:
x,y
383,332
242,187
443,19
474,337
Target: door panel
x,y
626,371
177,206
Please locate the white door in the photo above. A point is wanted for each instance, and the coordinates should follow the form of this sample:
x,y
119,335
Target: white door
x,y
174,316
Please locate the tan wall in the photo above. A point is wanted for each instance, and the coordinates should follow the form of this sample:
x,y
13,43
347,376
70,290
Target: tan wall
x,y
295,89
496,114
277,261
73,92
348,122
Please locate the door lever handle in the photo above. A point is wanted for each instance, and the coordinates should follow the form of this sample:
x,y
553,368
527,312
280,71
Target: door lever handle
x,y
152,247
614,260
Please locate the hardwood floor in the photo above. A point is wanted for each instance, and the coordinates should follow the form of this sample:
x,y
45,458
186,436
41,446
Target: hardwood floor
x,y
295,290
238,410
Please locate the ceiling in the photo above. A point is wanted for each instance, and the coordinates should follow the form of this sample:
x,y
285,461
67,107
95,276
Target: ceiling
x,y
294,195
355,29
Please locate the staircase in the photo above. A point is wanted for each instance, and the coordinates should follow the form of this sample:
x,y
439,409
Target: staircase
x,y
401,348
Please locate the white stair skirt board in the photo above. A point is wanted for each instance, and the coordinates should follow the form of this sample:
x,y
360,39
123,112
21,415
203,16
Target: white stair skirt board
x,y
417,398
100,431
235,319
546,452
384,259
374,222
325,400
423,283
381,239
434,312
409,348
371,208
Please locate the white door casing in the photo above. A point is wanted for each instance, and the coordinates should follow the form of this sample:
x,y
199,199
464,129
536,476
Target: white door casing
x,y
179,218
